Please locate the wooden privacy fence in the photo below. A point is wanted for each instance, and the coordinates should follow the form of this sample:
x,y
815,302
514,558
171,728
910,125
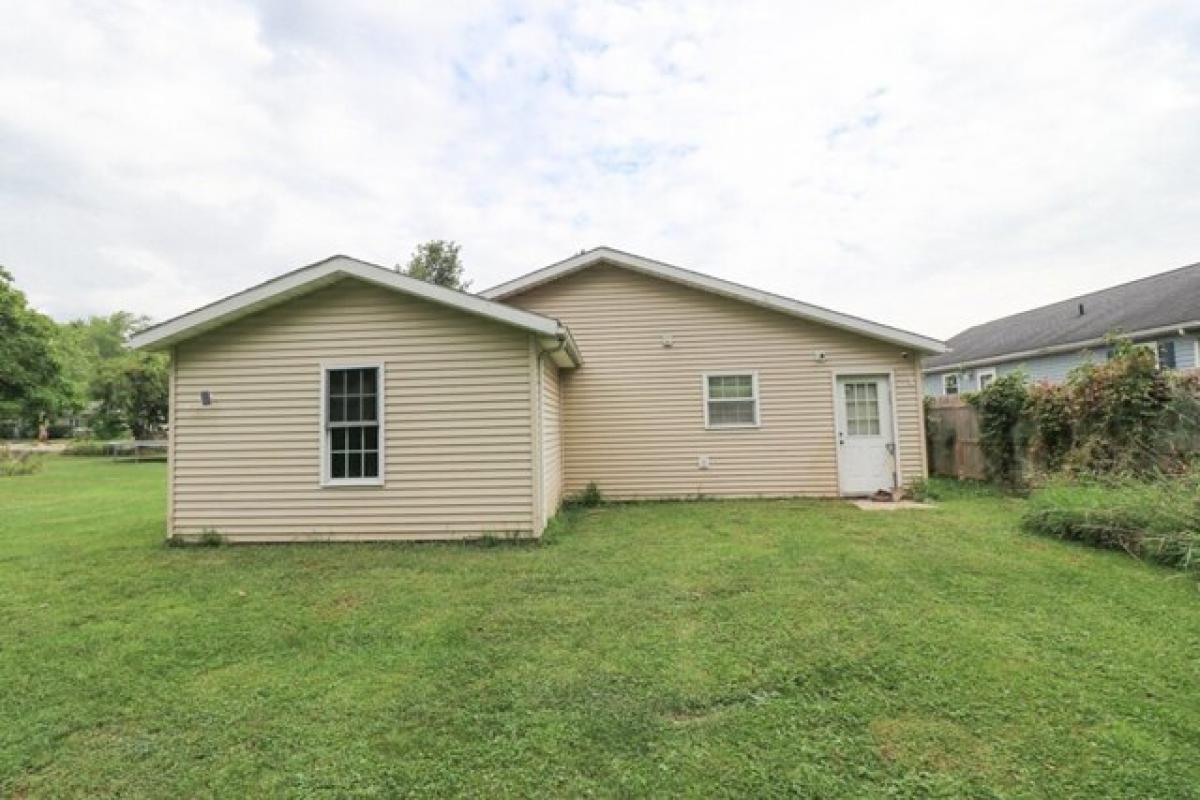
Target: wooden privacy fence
x,y
952,428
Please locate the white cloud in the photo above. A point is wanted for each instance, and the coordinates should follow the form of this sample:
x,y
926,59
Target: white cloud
x,y
929,165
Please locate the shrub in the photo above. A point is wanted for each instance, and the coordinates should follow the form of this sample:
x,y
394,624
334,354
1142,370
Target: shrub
x,y
1002,434
1048,410
589,497
1156,519
13,464
1119,409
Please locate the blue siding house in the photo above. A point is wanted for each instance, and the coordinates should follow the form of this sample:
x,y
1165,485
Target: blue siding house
x,y
1161,312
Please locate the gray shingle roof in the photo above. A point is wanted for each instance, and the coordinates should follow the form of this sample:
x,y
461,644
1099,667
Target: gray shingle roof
x,y
1159,301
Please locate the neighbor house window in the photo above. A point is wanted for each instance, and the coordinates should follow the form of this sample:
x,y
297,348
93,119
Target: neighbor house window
x,y
986,376
353,433
731,401
1166,354
950,383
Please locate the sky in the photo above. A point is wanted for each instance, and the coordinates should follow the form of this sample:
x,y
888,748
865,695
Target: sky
x,y
926,165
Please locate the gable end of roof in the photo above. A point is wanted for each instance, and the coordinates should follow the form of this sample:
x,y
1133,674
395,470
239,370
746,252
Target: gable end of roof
x,y
326,272
719,286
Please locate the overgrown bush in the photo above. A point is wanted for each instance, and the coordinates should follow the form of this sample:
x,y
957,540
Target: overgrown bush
x,y
1002,432
1051,434
14,463
589,497
1125,416
1155,519
1118,410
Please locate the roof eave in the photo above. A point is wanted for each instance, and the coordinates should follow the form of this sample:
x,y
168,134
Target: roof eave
x,y
1056,349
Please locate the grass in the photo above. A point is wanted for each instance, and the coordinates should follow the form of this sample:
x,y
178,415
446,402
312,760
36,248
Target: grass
x,y
1155,519
786,648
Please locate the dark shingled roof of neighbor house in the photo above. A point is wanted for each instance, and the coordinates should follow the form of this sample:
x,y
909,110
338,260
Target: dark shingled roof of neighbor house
x,y
1159,301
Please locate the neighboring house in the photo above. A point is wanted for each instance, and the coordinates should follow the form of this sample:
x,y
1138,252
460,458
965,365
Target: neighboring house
x,y
1161,312
347,401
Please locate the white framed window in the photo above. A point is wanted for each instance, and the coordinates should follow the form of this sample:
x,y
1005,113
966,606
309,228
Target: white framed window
x,y
950,383
986,377
352,452
731,400
862,408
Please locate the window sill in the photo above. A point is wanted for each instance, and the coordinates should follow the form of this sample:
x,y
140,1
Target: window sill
x,y
351,483
747,427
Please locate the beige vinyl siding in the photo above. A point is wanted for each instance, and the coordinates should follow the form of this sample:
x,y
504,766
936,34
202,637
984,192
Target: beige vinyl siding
x,y
551,435
457,415
634,416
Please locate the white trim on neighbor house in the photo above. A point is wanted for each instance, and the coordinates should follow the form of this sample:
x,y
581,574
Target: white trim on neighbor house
x,y
753,374
989,372
718,286
866,372
1179,328
328,482
957,383
554,335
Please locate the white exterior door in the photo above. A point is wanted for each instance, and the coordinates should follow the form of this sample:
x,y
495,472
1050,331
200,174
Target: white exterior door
x,y
865,440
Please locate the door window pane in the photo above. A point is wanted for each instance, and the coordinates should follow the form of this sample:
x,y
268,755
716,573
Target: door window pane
x,y
862,409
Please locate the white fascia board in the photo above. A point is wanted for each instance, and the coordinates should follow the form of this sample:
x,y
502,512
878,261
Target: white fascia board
x,y
323,273
1178,328
718,286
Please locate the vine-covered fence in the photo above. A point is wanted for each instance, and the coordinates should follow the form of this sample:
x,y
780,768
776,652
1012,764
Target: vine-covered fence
x,y
952,431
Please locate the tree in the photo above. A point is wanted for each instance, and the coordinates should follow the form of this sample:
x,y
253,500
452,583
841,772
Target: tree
x,y
86,345
32,386
437,261
132,392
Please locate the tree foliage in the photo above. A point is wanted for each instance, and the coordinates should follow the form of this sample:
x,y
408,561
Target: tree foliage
x,y
437,261
32,385
132,394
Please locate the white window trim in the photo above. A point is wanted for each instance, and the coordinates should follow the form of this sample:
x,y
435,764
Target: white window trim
x,y
957,383
757,403
328,482
981,374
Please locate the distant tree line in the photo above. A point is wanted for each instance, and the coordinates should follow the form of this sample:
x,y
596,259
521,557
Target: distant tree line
x,y
51,373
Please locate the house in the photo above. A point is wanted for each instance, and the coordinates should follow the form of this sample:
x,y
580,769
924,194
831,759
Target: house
x,y
347,401
1161,312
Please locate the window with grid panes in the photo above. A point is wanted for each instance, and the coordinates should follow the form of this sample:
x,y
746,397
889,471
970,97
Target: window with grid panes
x,y
352,424
862,409
731,401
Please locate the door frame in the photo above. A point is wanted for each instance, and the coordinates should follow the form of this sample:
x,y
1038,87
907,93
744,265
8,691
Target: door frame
x,y
865,372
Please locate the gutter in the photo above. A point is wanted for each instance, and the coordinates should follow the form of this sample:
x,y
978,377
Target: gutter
x,y
1068,347
562,348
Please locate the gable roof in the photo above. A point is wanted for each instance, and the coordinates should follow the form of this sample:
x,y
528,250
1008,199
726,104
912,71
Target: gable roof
x,y
1148,306
555,336
708,283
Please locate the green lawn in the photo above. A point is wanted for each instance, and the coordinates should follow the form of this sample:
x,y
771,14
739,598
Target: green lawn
x,y
799,648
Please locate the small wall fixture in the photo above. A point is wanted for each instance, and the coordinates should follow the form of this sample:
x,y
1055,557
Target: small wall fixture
x,y
206,398
820,356
667,340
